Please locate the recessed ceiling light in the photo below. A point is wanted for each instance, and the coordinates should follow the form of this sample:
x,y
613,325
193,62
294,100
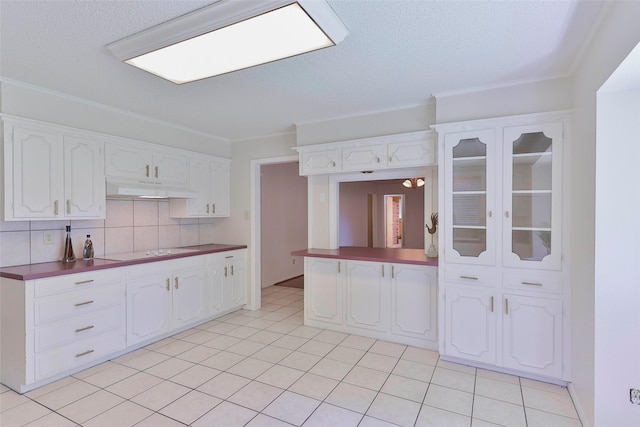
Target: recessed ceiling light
x,y
231,35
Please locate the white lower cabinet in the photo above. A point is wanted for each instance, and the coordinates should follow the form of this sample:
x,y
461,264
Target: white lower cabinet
x,y
532,334
413,301
55,325
511,331
324,290
226,280
471,325
395,302
169,295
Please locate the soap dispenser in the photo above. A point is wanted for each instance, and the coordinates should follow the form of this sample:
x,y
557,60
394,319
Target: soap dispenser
x,y
68,255
87,249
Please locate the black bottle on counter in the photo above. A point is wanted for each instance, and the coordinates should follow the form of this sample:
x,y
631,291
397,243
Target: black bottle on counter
x,y
68,255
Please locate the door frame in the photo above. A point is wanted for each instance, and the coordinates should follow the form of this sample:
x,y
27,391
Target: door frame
x,y
255,270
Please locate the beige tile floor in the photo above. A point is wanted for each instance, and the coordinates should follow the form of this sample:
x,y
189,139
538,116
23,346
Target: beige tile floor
x,y
264,368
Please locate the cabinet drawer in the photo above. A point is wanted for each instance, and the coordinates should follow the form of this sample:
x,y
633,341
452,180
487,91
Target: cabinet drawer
x,y
468,275
79,328
168,267
532,281
75,303
78,281
77,353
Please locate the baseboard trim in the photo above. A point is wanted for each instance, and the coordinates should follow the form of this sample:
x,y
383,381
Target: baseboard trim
x,y
576,402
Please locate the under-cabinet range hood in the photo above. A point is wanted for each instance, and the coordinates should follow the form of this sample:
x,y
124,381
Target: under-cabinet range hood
x,y
130,190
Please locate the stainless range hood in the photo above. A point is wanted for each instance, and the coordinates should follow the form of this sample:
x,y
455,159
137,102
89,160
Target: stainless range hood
x,y
131,190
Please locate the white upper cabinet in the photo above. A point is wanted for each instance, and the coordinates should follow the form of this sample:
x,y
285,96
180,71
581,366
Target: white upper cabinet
x,y
51,173
84,189
365,157
532,201
320,161
470,197
368,154
209,178
146,163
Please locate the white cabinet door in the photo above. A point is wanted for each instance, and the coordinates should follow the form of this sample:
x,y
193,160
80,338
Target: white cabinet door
x,y
217,285
470,320
200,181
318,162
469,197
363,158
367,293
413,301
148,308
236,277
84,189
418,151
189,297
532,334
220,172
323,290
170,168
128,161
532,196
37,174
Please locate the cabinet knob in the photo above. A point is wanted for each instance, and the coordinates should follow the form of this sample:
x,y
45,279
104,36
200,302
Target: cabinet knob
x,y
55,207
492,304
333,164
225,271
147,171
68,206
177,283
213,208
393,272
156,171
207,207
506,214
168,284
382,268
390,158
506,306
490,213
377,159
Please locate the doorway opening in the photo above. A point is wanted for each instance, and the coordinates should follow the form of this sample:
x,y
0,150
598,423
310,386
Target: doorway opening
x,y
393,217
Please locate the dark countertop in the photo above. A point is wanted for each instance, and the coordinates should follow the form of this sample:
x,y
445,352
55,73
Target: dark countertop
x,y
400,256
57,268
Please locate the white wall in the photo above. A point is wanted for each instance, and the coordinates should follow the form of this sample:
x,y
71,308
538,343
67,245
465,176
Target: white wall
x,y
615,38
390,122
617,294
131,225
353,214
284,221
38,104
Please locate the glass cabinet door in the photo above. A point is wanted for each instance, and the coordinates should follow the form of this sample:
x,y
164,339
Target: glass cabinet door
x,y
469,189
531,200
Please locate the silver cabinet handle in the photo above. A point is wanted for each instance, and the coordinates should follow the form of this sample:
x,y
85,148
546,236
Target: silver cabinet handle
x,y
382,270
390,158
82,282
147,170
333,164
377,159
506,214
532,283
68,206
469,277
232,270
177,285
490,213
213,208
84,353
168,284
156,171
225,272
86,328
492,304
80,304
55,207
338,266
393,272
506,306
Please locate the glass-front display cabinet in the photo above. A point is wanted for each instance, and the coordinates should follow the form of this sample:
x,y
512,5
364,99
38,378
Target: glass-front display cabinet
x,y
531,196
470,197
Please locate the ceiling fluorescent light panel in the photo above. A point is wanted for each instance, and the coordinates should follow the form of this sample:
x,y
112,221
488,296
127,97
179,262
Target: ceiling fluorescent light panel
x,y
231,35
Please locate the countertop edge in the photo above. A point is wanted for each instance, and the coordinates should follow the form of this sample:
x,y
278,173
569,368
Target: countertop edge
x,y
363,254
81,266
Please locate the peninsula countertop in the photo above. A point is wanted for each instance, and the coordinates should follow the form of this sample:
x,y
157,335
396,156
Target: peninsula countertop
x,y
393,255
57,268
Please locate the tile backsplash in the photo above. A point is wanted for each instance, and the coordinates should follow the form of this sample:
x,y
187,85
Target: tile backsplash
x,y
130,225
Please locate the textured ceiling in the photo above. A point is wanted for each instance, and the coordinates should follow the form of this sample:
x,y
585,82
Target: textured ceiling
x,y
398,54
